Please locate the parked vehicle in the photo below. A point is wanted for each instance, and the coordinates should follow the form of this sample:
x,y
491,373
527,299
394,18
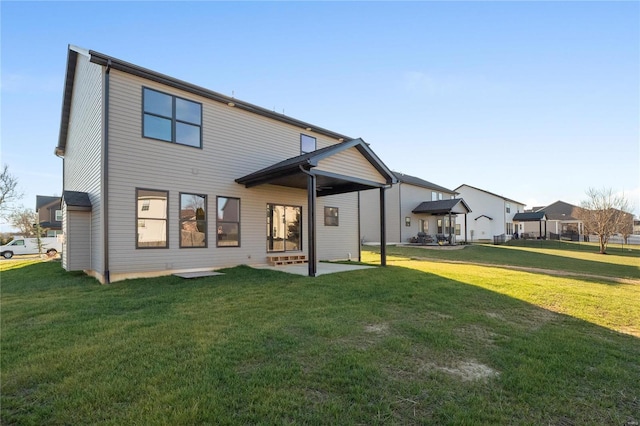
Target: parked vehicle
x,y
20,245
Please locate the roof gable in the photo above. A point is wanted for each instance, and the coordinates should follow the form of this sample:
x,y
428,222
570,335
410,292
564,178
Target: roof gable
x,y
46,200
490,193
292,171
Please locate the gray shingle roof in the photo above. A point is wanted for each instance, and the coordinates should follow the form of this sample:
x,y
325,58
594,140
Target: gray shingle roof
x,y
454,205
43,200
413,180
529,217
76,200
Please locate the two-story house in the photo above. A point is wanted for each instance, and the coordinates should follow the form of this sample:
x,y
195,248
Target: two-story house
x,y
49,214
163,176
492,214
413,205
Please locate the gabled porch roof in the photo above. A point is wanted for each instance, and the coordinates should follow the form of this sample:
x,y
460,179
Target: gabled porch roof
x,y
452,206
293,172
529,217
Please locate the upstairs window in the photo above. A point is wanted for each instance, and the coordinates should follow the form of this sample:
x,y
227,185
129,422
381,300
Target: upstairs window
x,y
58,215
171,119
307,144
508,208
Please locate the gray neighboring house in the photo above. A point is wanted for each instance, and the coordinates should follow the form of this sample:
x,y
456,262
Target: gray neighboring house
x,y
412,205
161,176
562,219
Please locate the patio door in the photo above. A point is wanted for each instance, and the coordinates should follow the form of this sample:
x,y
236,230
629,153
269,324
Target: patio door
x,y
284,228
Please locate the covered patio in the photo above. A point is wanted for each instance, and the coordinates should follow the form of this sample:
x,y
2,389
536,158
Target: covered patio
x,y
533,217
445,208
328,171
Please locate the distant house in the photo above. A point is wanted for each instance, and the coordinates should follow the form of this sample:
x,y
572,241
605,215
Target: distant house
x,y
163,176
412,205
49,214
492,214
562,220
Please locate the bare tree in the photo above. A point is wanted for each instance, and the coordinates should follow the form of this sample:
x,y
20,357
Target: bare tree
x,y
604,214
25,220
9,191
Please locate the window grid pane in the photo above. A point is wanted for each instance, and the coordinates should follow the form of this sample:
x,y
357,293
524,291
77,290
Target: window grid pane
x,y
171,119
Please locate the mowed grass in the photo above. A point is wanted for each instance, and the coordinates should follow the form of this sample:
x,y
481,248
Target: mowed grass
x,y
578,258
417,342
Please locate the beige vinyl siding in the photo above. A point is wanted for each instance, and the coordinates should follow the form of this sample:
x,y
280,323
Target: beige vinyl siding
x,y
78,241
235,143
351,162
370,215
337,242
82,158
410,197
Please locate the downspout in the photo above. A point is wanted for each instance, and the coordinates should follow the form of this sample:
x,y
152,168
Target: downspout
x,y
400,218
383,227
105,177
311,215
359,234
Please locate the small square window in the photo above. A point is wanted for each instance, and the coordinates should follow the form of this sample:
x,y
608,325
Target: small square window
x,y
307,144
331,216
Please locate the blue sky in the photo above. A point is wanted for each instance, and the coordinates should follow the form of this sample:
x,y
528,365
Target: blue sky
x,y
537,101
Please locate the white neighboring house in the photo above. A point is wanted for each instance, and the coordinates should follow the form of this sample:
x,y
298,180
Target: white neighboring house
x,y
492,214
162,176
413,205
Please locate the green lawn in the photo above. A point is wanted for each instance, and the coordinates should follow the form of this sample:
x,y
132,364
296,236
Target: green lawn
x,y
417,342
580,258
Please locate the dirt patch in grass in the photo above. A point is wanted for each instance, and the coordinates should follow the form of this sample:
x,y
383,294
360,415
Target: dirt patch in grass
x,y
475,334
467,371
381,329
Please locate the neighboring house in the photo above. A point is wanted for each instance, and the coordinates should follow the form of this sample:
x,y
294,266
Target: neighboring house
x,y
636,227
492,214
562,219
162,176
49,214
412,205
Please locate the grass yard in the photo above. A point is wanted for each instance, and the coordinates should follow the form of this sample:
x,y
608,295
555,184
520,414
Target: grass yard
x,y
417,342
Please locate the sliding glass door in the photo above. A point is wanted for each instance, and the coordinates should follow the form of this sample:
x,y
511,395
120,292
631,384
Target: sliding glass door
x,y
284,228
